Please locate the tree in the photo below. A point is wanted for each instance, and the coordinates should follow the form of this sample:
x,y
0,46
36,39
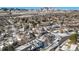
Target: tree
x,y
8,48
73,38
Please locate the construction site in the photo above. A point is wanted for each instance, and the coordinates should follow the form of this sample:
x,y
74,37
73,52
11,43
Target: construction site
x,y
39,30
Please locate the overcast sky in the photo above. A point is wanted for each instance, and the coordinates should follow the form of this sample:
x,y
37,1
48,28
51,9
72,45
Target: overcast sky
x,y
43,3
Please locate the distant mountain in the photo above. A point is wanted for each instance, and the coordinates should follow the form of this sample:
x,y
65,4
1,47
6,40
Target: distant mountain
x,y
38,8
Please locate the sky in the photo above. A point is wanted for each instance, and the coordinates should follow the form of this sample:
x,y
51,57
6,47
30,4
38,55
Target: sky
x,y
36,4
39,3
